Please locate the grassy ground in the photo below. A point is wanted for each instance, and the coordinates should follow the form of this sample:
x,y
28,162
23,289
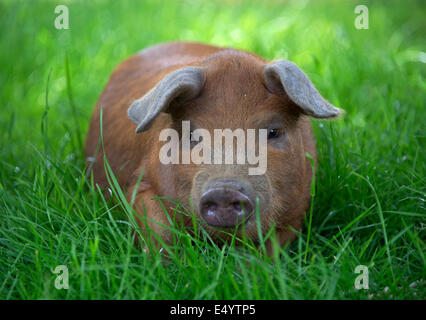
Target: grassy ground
x,y
369,206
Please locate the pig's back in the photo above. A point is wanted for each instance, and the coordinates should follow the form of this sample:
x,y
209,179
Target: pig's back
x,y
166,55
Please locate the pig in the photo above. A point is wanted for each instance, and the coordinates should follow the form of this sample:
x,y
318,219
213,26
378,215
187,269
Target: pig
x,y
212,88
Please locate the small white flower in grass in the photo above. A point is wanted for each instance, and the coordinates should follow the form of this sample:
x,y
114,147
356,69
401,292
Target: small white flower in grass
x,y
422,57
415,283
70,157
110,191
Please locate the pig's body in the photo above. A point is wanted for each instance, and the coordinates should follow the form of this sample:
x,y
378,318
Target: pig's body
x,y
234,92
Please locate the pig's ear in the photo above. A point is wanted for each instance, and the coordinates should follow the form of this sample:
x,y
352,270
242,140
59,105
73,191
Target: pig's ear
x,y
183,84
285,75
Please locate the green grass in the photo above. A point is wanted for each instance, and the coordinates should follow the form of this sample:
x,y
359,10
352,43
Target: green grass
x,y
369,205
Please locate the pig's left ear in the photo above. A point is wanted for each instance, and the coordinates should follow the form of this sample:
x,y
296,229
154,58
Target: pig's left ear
x,y
287,76
183,84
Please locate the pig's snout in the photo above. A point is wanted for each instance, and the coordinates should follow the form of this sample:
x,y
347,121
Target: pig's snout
x,y
226,203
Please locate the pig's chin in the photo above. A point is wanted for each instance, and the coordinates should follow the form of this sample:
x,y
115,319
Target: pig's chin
x,y
245,230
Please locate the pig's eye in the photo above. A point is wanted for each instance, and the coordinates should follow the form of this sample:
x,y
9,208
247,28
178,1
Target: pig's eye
x,y
192,137
274,133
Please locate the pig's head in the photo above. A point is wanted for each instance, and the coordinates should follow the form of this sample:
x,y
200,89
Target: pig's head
x,y
238,91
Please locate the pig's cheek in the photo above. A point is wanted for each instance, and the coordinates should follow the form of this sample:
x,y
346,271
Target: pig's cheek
x,y
198,182
195,201
262,191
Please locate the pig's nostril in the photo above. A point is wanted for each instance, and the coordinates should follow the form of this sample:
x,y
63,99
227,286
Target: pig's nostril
x,y
211,206
237,206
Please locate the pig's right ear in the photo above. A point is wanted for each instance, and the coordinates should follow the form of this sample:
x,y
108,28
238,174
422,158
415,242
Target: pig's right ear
x,y
285,75
183,84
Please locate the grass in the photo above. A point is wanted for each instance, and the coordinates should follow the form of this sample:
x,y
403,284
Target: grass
x,y
369,205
